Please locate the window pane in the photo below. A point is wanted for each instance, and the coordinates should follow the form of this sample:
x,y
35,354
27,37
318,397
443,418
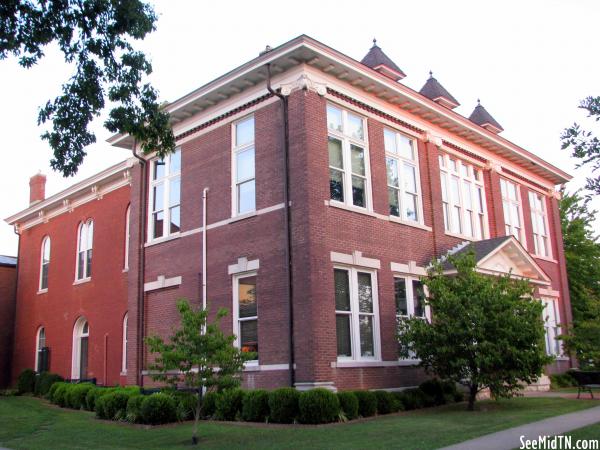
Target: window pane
x,y
406,147
336,185
365,293
468,223
393,202
366,336
456,222
464,170
441,161
245,165
392,172
467,202
175,218
342,328
480,200
158,197
514,213
503,188
389,139
358,191
335,153
512,191
247,297
175,192
444,187
80,265
46,251
342,290
410,181
89,263
400,294
246,197
358,160
455,190
44,284
418,297
249,336
175,162
158,218
82,237
244,131
355,127
410,206
334,118
159,169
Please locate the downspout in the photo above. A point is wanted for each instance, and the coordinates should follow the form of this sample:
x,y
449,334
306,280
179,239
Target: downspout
x,y
287,220
141,267
204,213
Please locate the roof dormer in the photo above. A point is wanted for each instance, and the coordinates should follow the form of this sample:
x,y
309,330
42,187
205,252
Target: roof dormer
x,y
481,117
433,90
379,61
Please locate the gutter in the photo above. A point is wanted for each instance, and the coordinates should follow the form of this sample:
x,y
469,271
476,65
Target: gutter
x,y
287,220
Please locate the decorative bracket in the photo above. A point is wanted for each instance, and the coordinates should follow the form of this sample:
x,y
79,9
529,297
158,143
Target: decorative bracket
x,y
304,83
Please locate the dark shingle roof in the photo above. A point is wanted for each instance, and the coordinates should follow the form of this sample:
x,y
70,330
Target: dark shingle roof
x,y
481,117
376,58
8,260
433,90
481,249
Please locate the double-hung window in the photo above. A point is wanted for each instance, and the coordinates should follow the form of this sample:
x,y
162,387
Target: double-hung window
x,y
409,294
85,240
165,196
539,222
356,314
551,327
244,178
463,198
402,176
511,205
44,263
348,158
246,312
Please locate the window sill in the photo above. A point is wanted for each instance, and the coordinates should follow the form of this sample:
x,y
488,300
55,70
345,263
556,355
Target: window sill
x,y
123,374
356,209
162,239
409,223
463,237
125,270
42,291
82,281
239,217
344,364
544,258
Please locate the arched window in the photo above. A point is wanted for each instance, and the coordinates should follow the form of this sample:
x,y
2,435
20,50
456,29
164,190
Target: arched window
x,y
124,359
44,263
127,216
40,345
85,239
81,333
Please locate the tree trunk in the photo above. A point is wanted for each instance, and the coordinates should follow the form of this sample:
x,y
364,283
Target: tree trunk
x,y
197,417
472,395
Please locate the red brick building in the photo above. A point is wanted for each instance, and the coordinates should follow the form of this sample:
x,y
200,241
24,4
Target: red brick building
x,y
8,289
307,195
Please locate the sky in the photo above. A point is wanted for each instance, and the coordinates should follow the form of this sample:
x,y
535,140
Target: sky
x,y
530,63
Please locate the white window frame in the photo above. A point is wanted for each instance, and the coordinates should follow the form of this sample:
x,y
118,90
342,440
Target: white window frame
x,y
124,352
450,166
84,227
236,312
236,150
535,214
410,304
38,347
45,263
355,314
401,191
166,181
551,317
76,349
347,142
127,238
508,213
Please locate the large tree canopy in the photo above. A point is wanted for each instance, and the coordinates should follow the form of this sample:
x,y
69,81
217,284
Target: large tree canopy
x,y
96,37
584,145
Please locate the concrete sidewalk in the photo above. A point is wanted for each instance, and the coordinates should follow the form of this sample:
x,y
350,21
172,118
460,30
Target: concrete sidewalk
x,y
509,439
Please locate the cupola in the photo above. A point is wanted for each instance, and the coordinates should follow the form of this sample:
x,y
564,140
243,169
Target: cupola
x,y
433,90
481,117
379,61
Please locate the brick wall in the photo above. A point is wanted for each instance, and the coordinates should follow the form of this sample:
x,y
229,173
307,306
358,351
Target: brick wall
x,y
8,285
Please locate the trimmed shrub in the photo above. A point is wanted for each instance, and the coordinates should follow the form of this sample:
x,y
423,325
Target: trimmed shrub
x,y
157,409
44,382
185,404
283,405
59,395
318,406
348,404
438,392
26,381
209,404
134,408
53,388
367,403
229,404
75,396
255,406
412,398
562,380
94,394
112,406
386,402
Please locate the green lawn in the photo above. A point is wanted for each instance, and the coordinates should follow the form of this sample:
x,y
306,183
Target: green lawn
x,y
589,432
27,422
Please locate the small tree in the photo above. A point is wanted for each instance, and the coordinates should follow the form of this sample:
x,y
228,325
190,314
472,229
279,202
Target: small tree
x,y
486,332
199,354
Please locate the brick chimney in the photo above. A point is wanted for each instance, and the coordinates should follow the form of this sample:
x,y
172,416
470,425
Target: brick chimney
x,y
37,188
